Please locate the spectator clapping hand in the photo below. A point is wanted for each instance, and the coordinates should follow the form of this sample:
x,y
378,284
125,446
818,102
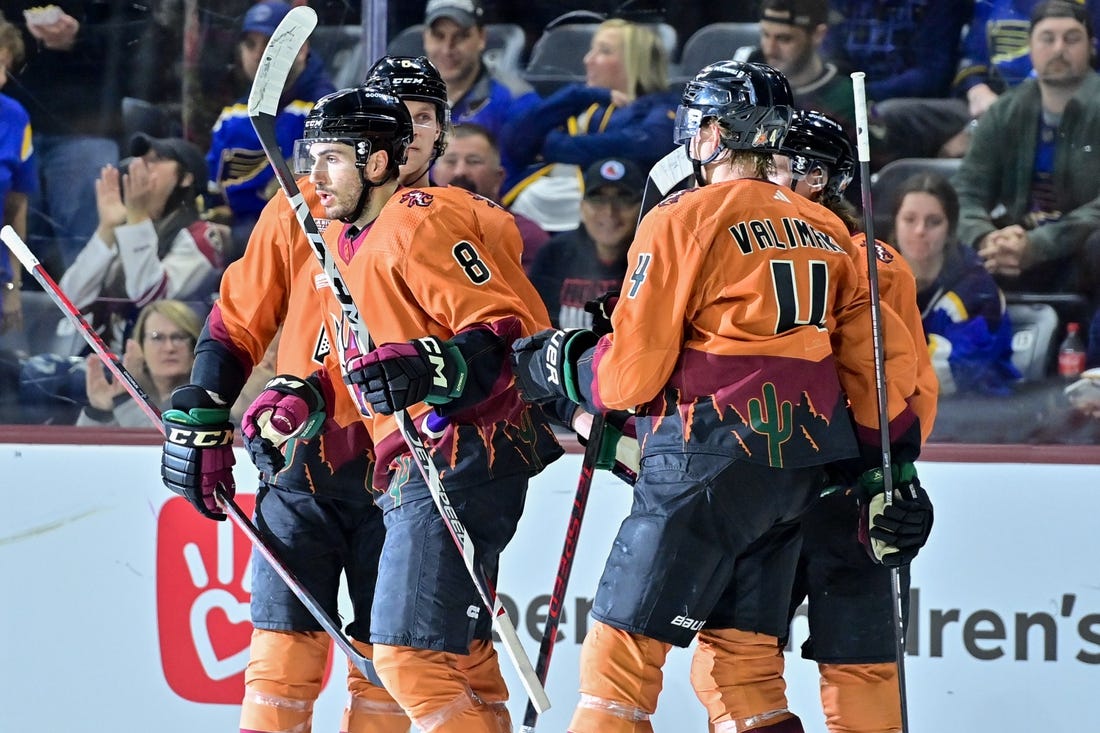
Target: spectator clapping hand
x,y
57,34
102,391
108,201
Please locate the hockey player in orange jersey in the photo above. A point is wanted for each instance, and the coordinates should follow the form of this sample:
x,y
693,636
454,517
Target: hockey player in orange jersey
x,y
851,629
316,500
437,272
742,326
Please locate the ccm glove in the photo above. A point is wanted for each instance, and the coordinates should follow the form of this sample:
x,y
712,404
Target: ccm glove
x,y
198,449
545,364
396,376
287,408
894,533
601,309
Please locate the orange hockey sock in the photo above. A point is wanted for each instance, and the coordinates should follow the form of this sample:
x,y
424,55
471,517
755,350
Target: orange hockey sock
x,y
861,698
282,680
738,676
620,681
371,709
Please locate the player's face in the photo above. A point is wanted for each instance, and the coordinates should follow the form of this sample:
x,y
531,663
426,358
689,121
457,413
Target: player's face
x,y
339,182
1060,51
784,176
169,351
251,47
786,47
609,215
426,128
921,229
455,51
603,64
470,162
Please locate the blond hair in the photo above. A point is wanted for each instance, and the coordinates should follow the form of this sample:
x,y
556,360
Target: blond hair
x,y
11,39
645,58
176,311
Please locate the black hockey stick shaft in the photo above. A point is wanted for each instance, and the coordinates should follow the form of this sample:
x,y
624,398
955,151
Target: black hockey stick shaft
x,y
267,87
565,563
864,150
141,399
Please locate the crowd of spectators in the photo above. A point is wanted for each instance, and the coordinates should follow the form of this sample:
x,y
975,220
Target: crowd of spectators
x,y
125,221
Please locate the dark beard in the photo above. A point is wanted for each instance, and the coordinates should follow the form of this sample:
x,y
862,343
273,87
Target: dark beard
x,y
466,183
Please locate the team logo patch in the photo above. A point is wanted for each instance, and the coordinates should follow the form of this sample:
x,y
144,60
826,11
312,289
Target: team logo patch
x,y
884,255
765,137
416,197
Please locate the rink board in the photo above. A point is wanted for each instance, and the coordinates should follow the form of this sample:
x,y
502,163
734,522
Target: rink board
x,y
124,610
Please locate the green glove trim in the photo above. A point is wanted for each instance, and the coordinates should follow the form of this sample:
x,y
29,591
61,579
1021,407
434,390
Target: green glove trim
x,y
576,343
456,362
198,416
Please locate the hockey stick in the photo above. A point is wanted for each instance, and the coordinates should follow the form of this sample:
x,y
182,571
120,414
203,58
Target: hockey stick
x,y
674,172
263,102
864,149
565,564
141,399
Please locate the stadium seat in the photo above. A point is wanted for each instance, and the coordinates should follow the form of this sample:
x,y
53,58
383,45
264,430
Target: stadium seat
x,y
1034,326
885,185
504,44
341,48
712,43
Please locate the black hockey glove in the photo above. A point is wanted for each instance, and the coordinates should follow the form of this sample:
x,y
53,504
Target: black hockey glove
x,y
396,376
894,534
288,408
601,309
545,364
198,449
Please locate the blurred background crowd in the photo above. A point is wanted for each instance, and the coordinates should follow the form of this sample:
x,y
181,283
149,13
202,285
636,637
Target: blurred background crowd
x,y
129,165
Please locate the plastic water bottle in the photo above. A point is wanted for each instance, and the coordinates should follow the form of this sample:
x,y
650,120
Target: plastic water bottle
x,y
1071,353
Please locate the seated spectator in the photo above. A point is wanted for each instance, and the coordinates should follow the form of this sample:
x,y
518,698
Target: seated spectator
x,y
454,40
1028,187
150,242
578,266
159,355
624,109
908,49
241,178
472,161
963,310
18,177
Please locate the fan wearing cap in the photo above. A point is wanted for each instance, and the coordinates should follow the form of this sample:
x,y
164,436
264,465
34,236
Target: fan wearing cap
x,y
241,178
150,242
454,40
576,267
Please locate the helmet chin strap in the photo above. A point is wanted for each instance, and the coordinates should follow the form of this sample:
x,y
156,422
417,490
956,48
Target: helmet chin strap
x,y
698,165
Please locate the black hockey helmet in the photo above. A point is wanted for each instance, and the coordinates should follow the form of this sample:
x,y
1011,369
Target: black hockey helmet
x,y
816,138
752,102
368,118
416,78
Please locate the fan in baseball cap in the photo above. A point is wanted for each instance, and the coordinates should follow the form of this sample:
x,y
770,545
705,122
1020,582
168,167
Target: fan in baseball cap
x,y
621,173
264,17
467,13
189,157
801,13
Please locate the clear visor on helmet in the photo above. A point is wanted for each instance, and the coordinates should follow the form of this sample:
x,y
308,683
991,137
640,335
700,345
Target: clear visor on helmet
x,y
318,154
688,122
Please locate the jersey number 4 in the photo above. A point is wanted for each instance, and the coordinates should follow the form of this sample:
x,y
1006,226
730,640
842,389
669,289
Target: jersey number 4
x,y
800,307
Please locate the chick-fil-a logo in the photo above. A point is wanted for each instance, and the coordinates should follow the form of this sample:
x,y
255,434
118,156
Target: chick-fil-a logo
x,y
203,587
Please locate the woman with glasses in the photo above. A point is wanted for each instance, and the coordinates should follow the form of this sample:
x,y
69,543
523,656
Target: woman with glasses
x,y
159,354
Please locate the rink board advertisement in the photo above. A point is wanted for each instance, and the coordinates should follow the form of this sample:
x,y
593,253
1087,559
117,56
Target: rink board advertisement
x,y
124,610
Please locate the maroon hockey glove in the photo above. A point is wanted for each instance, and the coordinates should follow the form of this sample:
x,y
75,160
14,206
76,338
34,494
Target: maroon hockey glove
x,y
288,408
893,534
396,376
601,309
198,449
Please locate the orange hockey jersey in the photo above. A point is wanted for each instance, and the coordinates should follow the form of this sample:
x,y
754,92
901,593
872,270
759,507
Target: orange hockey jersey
x,y
279,283
742,324
438,261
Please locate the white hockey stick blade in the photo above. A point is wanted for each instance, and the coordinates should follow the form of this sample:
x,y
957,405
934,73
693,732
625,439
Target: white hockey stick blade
x,y
18,248
671,169
278,57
